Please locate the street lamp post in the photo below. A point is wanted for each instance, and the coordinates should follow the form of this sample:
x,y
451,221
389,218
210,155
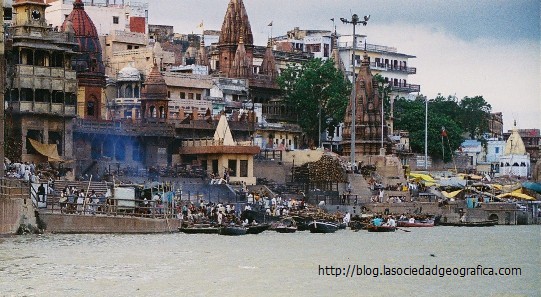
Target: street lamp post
x,y
354,21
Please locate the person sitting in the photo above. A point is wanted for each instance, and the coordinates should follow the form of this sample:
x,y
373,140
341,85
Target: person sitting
x,y
377,221
412,220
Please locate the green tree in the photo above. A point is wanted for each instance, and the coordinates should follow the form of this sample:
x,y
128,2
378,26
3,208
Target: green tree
x,y
475,116
410,116
313,86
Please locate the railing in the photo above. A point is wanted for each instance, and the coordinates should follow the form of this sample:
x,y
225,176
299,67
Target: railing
x,y
210,142
407,88
389,67
125,127
112,207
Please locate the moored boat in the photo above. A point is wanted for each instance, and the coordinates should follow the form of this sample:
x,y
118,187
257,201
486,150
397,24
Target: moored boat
x,y
372,228
472,224
287,225
256,229
286,229
417,223
232,230
199,229
322,227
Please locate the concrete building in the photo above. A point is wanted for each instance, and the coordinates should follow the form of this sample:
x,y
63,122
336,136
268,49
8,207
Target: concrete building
x,y
41,87
110,15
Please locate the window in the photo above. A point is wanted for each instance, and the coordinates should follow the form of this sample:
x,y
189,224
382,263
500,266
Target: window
x,y
232,165
129,46
243,168
90,108
496,150
198,96
115,20
168,94
190,95
182,95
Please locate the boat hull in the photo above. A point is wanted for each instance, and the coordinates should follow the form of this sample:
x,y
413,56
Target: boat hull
x,y
380,229
257,229
198,230
284,229
416,224
322,227
232,230
471,224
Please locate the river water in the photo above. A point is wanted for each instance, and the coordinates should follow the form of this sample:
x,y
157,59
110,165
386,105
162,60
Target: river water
x,y
271,264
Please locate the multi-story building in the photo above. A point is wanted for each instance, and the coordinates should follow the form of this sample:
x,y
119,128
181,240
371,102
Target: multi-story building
x,y
110,15
41,87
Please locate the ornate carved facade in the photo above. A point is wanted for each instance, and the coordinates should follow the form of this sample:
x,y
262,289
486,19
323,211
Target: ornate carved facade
x,y
88,63
367,116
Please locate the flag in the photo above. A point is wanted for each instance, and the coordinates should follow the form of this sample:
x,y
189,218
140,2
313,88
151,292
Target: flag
x,y
443,132
200,25
332,19
270,24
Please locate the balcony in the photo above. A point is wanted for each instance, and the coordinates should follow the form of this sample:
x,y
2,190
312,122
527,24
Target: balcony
x,y
406,88
48,78
392,68
43,108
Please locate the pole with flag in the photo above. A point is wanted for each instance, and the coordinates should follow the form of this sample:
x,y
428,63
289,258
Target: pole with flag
x,y
202,28
270,25
443,134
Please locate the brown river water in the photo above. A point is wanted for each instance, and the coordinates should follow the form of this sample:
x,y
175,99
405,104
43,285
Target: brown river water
x,y
274,264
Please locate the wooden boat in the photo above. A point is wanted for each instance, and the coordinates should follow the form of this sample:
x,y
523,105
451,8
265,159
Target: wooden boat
x,y
287,225
322,227
427,223
199,229
372,228
286,229
471,224
232,230
256,229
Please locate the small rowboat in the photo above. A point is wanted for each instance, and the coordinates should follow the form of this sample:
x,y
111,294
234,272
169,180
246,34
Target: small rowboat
x,y
428,223
373,228
232,230
256,229
322,227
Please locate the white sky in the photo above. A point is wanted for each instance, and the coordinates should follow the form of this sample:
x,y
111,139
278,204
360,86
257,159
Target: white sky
x,y
468,48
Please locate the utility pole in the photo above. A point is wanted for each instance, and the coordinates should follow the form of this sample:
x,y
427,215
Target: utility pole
x,y
2,93
354,21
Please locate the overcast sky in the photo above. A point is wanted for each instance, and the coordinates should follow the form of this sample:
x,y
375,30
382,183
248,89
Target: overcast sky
x,y
463,47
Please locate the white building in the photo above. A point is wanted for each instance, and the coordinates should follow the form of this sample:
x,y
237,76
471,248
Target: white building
x,y
108,15
384,60
515,161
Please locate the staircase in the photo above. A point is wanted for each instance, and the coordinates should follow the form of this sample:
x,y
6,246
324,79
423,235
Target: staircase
x,y
359,187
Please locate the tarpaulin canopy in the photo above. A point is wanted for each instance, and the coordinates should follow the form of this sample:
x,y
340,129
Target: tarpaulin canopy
x,y
536,187
517,195
451,194
422,176
48,150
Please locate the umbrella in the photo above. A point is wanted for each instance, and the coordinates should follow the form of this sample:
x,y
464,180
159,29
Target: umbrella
x,y
517,196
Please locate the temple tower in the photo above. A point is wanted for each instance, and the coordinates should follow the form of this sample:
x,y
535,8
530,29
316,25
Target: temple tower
x,y
235,28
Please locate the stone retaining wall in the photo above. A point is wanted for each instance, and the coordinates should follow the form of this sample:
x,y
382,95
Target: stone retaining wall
x,y
74,223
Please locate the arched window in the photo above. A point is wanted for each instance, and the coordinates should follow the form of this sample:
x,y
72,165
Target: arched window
x,y
129,92
91,106
153,113
136,92
162,112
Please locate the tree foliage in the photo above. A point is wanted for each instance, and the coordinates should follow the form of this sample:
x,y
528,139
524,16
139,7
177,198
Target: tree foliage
x,y
470,116
313,85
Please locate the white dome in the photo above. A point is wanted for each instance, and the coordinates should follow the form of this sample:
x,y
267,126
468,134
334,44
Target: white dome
x,y
129,73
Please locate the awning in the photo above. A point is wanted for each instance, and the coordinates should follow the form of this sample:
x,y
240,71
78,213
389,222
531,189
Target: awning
x,y
48,150
422,176
536,187
452,194
517,195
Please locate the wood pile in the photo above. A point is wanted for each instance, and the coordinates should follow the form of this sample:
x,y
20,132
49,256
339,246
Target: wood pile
x,y
327,169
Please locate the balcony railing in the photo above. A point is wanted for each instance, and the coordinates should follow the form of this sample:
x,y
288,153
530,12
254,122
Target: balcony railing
x,y
42,107
388,67
406,88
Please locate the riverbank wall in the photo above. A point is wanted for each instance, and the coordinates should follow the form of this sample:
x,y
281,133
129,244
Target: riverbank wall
x,y
16,207
76,223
